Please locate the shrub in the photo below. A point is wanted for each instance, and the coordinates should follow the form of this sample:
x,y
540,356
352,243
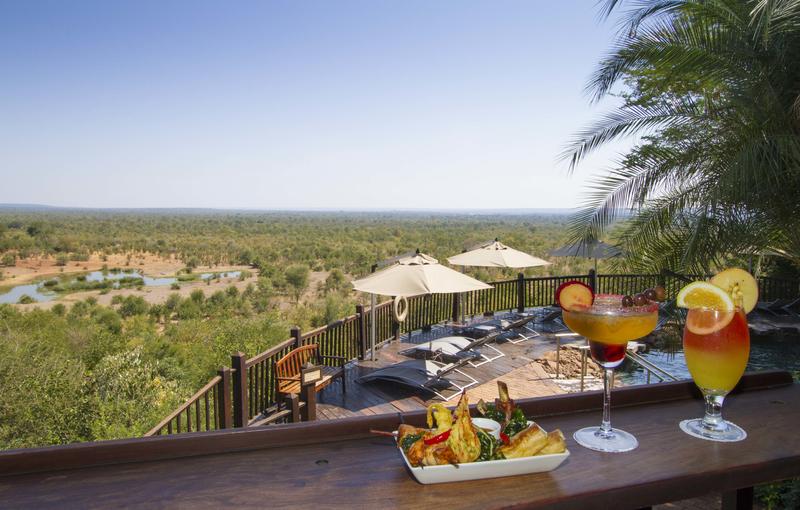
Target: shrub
x,y
188,309
62,259
197,296
133,305
336,280
25,300
59,309
175,286
8,260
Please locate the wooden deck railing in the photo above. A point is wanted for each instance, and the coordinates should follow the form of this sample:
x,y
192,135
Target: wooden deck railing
x,y
248,394
208,409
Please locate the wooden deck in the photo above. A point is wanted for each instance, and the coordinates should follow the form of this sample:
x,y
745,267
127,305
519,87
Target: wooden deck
x,y
517,368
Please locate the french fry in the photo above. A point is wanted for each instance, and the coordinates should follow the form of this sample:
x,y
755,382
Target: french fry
x,y
526,443
555,443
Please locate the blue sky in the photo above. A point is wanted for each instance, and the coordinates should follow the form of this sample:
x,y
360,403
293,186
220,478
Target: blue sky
x,y
296,104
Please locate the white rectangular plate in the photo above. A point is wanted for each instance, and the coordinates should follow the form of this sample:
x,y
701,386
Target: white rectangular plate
x,y
486,469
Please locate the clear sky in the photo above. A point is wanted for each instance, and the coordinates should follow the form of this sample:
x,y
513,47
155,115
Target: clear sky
x,y
296,104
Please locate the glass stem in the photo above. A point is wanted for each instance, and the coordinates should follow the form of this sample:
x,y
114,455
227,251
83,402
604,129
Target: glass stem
x,y
608,381
713,417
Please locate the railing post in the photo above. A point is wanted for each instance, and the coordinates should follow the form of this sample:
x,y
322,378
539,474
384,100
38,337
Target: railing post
x,y
362,331
308,379
456,306
521,292
298,337
240,406
593,280
293,403
224,399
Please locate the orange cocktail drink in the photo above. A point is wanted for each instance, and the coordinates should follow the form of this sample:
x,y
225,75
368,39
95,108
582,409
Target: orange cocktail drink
x,y
609,327
716,359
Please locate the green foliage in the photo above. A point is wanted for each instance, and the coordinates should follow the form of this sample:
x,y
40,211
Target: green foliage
x,y
777,496
712,90
93,374
133,305
297,278
175,286
8,260
62,259
25,300
132,394
336,281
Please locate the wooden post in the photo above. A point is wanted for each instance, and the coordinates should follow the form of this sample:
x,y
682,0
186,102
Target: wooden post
x,y
740,499
240,405
293,403
224,399
456,306
662,277
521,292
308,380
593,280
298,337
362,331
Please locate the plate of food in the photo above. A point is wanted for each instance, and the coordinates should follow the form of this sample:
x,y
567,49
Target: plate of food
x,y
454,448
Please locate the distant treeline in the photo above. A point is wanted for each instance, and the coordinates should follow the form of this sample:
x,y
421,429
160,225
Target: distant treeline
x,y
352,242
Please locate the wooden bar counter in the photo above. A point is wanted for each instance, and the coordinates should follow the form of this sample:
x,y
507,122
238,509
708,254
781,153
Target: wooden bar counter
x,y
338,464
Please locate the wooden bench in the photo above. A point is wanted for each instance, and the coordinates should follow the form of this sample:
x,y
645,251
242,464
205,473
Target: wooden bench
x,y
289,367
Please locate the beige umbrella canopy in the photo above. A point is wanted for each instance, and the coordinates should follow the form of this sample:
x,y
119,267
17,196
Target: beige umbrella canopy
x,y
415,275
496,254
412,276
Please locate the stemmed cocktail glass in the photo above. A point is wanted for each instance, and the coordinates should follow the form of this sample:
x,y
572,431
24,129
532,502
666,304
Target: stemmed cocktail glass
x,y
716,344
609,327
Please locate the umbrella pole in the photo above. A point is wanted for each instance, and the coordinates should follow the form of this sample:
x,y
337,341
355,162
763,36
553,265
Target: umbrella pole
x,y
372,328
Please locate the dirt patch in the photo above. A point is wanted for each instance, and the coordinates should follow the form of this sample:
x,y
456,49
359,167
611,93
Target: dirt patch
x,y
570,361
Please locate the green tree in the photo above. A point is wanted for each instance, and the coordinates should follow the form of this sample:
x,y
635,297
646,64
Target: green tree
x,y
297,276
133,305
8,260
713,93
336,280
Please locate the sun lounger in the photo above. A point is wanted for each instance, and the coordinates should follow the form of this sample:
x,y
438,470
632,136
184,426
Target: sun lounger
x,y
425,375
776,308
457,348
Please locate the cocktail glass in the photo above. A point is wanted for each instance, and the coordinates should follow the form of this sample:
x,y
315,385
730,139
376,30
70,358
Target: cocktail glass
x,y
609,327
716,358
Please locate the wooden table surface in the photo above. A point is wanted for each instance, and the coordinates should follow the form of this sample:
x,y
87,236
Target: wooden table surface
x,y
340,467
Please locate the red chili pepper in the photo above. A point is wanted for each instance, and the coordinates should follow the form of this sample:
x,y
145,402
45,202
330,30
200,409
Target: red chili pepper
x,y
504,438
438,438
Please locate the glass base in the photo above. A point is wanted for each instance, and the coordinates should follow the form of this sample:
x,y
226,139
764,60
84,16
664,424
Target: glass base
x,y
726,432
616,441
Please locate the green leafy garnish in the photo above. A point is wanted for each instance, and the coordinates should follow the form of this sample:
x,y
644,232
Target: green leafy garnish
x,y
517,423
489,446
408,440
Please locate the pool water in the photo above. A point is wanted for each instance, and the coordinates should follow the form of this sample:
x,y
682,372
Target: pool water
x,y
39,292
767,352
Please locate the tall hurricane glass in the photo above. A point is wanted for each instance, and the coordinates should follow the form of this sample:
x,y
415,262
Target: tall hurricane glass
x,y
609,327
716,344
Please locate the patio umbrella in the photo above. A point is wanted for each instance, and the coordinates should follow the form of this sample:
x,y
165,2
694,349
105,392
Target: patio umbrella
x,y
591,250
412,276
496,254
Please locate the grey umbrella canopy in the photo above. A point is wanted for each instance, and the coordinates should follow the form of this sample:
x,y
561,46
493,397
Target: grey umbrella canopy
x,y
587,250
